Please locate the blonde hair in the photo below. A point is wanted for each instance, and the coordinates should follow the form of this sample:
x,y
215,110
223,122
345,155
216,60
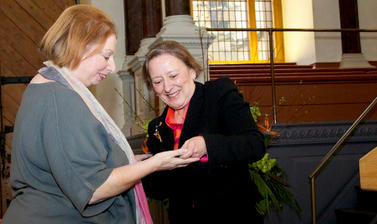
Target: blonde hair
x,y
172,48
77,29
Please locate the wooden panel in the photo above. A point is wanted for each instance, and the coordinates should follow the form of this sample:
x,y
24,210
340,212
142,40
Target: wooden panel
x,y
322,113
16,90
6,194
305,94
331,93
368,171
349,18
16,62
23,20
23,24
313,108
12,95
134,26
311,94
63,4
152,18
288,71
177,7
37,13
301,78
10,108
50,8
17,40
317,113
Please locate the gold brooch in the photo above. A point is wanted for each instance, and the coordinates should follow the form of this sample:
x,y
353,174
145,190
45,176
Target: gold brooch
x,y
157,133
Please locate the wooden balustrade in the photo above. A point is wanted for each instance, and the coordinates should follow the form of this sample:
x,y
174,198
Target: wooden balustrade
x,y
304,93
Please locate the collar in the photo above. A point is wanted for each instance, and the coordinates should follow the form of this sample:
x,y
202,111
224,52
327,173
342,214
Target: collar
x,y
170,121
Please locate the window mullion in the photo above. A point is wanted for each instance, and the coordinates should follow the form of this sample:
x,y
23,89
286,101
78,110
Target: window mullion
x,y
253,40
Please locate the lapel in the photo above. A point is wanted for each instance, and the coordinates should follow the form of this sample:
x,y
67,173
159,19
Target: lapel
x,y
166,133
194,121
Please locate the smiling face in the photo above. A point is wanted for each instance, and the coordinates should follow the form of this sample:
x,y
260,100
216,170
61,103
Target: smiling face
x,y
94,68
172,80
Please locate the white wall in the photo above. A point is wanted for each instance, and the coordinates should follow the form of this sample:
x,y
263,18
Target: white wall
x,y
328,44
298,46
368,20
105,91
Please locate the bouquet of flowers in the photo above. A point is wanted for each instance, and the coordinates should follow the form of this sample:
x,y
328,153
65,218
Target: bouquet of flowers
x,y
269,177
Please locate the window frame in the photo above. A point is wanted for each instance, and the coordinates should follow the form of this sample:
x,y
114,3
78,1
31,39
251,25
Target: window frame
x,y
253,41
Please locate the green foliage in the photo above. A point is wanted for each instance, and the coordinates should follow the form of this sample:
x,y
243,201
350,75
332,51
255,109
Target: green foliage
x,y
265,164
269,179
267,140
145,127
255,112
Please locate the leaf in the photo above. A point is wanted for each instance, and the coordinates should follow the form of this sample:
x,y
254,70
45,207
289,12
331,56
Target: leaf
x,y
145,127
269,199
255,112
272,186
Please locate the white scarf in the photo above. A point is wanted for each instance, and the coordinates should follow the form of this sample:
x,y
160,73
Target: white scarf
x,y
142,210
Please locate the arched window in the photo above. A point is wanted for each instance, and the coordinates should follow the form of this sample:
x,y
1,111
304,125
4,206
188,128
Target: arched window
x,y
240,46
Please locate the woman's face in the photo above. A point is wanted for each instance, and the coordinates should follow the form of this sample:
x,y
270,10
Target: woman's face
x,y
94,68
172,80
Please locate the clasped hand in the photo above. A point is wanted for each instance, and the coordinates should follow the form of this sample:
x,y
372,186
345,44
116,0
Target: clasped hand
x,y
191,151
167,160
195,146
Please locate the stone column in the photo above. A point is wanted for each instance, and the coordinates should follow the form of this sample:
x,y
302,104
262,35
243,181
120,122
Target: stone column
x,y
128,83
134,25
177,7
179,26
352,56
149,24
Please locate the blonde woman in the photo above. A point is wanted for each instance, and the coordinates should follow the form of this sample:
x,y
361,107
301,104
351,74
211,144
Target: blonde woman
x,y
70,162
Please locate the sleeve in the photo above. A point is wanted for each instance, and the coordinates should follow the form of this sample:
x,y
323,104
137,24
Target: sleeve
x,y
239,139
156,185
76,150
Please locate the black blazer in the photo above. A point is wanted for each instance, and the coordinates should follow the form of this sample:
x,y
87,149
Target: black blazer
x,y
220,190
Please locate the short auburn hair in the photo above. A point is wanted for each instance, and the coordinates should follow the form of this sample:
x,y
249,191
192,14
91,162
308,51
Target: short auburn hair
x,y
172,48
77,29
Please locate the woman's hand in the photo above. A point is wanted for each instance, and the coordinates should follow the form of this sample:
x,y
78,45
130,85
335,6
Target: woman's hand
x,y
125,177
172,159
141,157
195,146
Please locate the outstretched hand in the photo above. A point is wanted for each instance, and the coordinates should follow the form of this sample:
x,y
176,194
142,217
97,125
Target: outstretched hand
x,y
172,159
